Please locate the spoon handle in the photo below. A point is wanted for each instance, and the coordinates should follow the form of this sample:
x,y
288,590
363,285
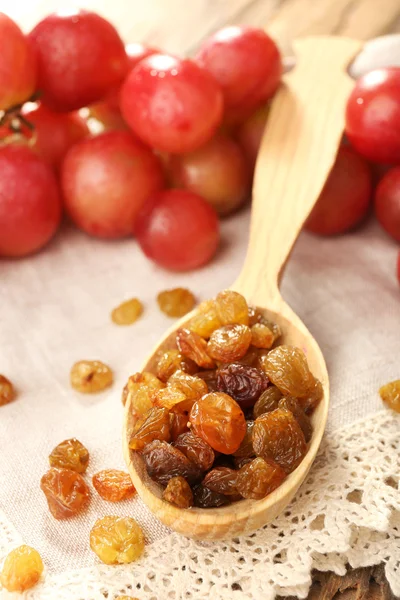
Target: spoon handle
x,y
299,146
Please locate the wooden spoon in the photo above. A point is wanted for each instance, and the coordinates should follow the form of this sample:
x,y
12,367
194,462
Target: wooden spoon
x,y
302,136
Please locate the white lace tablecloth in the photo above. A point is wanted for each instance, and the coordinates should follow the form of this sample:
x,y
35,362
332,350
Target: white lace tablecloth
x,y
55,309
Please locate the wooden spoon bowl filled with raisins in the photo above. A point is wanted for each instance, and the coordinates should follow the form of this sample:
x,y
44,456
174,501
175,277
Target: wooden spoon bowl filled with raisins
x,y
225,420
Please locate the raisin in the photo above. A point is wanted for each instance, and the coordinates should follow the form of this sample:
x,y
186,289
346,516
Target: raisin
x,y
267,401
390,394
194,347
140,388
287,368
313,399
210,377
178,492
113,485
178,422
153,426
239,462
7,393
258,478
243,383
163,462
229,343
171,361
278,436
219,420
257,316
232,308
292,404
128,312
22,569
176,302
70,454
90,376
261,336
117,540
196,449
193,387
169,397
206,320
221,480
246,449
205,498
66,492
250,358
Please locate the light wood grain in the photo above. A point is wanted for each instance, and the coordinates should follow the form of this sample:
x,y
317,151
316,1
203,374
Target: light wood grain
x,y
299,146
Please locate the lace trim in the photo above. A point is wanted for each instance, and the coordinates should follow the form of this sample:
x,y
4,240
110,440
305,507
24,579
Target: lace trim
x,y
348,511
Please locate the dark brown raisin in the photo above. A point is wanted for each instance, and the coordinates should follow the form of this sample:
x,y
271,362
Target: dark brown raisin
x,y
178,492
243,383
259,478
163,462
291,404
153,426
221,480
246,449
197,450
278,436
205,498
267,401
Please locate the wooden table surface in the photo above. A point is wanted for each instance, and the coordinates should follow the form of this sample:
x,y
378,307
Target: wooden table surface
x,y
179,26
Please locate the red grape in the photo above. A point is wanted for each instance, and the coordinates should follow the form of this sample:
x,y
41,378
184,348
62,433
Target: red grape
x,y
18,65
106,179
107,111
54,132
217,171
373,116
81,56
171,104
345,198
30,204
178,230
387,202
250,133
246,63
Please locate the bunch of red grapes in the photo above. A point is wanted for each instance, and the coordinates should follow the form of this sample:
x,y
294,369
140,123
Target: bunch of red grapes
x,y
178,143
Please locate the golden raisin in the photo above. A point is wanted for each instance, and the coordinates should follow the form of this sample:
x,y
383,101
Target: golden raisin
x,y
229,343
140,389
22,569
169,397
261,336
178,422
246,449
218,420
257,316
90,376
390,394
153,426
171,361
232,308
117,540
128,312
206,320
113,485
66,492
287,368
258,478
194,347
70,454
176,302
7,393
278,436
267,401
303,420
178,492
193,387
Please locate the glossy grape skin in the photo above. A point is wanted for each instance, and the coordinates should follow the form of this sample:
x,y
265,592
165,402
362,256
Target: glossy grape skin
x,y
250,132
217,171
171,104
178,230
107,111
106,180
18,65
387,202
246,63
80,57
54,133
30,202
345,198
373,116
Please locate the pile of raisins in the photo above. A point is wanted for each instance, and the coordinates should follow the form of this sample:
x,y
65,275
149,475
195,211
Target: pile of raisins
x,y
226,414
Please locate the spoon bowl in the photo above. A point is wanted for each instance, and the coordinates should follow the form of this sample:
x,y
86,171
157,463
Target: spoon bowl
x,y
298,149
